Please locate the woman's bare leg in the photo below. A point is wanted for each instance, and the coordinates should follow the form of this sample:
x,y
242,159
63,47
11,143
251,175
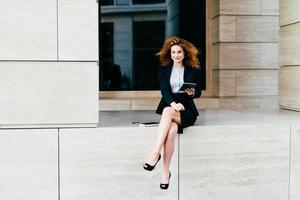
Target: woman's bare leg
x,y
169,115
169,147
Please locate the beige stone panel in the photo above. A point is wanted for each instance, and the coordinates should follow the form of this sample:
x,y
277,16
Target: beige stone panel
x,y
207,103
239,56
42,126
78,30
214,7
29,164
256,82
129,94
227,28
28,30
270,7
289,11
144,103
224,29
107,163
269,103
114,104
235,162
41,93
289,87
216,55
289,45
248,56
227,80
257,28
269,55
224,83
228,103
247,103
216,83
240,7
215,24
295,162
263,103
237,104
150,103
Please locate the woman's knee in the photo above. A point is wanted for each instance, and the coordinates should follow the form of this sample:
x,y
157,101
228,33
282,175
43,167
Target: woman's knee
x,y
168,111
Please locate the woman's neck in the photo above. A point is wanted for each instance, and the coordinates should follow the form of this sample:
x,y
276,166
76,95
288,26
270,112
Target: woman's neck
x,y
177,64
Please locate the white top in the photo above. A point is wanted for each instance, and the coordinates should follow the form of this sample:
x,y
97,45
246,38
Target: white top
x,y
176,79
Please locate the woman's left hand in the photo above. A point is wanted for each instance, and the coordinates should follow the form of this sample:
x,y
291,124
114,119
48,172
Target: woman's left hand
x,y
190,91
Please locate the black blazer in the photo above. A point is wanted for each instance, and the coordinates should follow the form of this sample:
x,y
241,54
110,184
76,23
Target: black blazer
x,y
190,75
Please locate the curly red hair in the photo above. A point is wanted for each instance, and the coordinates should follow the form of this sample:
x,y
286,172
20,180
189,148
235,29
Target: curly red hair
x,y
190,52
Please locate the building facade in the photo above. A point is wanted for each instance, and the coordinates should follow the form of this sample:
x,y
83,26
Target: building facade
x,y
49,80
49,57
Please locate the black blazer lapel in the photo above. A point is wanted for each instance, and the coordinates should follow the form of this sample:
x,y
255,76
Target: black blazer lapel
x,y
185,71
169,70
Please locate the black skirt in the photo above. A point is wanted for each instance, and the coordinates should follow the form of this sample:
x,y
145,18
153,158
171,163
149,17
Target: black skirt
x,y
188,116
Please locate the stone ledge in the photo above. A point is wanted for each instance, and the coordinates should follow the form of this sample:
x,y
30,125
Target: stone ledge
x,y
149,103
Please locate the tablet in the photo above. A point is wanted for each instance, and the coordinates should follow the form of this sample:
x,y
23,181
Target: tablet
x,y
187,85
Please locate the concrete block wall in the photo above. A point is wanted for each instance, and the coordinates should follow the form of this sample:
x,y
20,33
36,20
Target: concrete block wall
x,y
238,163
29,164
245,53
48,63
212,162
289,74
295,162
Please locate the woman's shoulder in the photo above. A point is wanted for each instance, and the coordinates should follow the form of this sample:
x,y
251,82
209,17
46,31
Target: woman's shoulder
x,y
193,69
164,68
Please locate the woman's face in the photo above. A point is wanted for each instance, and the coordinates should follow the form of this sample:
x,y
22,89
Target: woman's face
x,y
177,54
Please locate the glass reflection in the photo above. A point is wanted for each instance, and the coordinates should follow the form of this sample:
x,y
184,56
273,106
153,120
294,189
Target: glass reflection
x,y
131,33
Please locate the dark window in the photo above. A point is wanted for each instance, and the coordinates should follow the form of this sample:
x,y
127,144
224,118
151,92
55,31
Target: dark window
x,y
146,45
147,1
196,31
106,2
108,78
128,48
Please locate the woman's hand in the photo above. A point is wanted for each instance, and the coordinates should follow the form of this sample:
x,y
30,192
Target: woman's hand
x,y
190,91
177,106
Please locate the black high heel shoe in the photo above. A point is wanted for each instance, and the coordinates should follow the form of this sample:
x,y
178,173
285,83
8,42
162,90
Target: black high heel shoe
x,y
150,167
164,186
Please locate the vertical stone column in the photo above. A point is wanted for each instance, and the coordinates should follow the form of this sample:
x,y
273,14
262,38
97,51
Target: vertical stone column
x,y
289,73
245,53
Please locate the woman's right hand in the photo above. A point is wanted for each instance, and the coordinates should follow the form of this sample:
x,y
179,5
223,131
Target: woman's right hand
x,y
177,106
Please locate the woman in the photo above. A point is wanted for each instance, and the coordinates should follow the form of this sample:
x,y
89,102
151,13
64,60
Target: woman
x,y
180,64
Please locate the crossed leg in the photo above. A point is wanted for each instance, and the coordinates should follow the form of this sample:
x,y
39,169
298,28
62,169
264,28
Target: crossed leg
x,y
167,130
169,147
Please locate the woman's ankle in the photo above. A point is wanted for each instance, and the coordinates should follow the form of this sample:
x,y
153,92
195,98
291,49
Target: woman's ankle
x,y
165,171
155,152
